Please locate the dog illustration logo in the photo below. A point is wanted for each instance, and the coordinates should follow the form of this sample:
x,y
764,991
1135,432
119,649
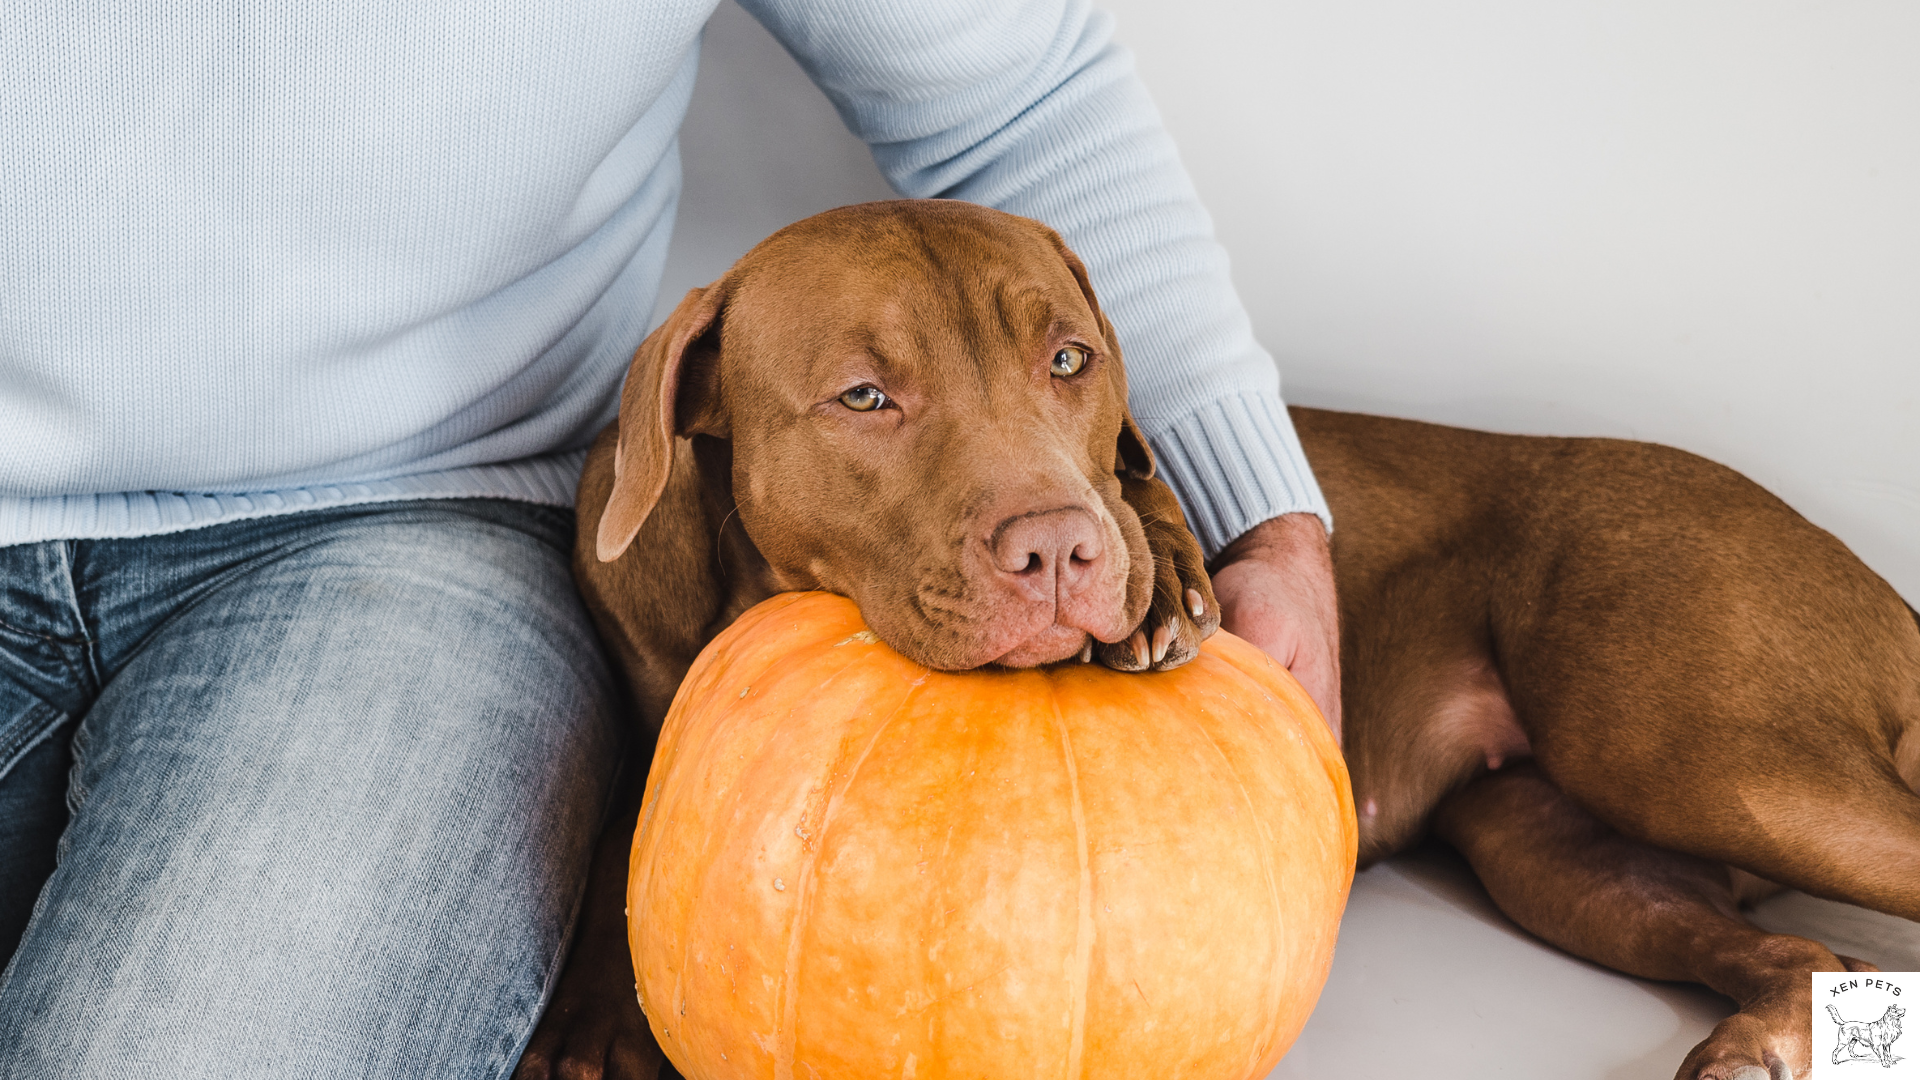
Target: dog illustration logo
x,y
1851,999
1859,1040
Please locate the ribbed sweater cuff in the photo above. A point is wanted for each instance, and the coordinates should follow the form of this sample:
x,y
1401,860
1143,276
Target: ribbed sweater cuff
x,y
548,480
1234,463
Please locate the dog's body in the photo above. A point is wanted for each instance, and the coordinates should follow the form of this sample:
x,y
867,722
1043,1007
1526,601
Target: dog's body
x,y
1607,672
1635,690
1859,1039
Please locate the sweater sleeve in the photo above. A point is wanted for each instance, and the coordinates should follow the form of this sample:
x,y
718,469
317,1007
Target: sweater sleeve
x,y
1028,106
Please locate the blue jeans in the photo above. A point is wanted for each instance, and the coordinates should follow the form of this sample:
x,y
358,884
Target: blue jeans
x,y
310,795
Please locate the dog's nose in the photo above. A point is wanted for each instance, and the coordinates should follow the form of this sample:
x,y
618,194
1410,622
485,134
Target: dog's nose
x,y
1052,554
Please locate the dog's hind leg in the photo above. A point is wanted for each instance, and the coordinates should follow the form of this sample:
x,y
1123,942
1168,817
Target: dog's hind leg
x,y
1567,877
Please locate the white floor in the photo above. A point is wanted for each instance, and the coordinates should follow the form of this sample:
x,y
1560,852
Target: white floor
x,y
1430,980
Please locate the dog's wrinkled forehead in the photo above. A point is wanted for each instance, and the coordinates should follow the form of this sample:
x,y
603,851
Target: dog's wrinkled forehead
x,y
900,280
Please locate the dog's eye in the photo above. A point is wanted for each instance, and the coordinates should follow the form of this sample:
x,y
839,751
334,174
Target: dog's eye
x,y
863,398
1069,361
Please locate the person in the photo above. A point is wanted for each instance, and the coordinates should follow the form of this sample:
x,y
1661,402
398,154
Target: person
x,y
307,312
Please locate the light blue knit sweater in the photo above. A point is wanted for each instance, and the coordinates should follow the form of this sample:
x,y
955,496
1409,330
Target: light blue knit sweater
x,y
267,256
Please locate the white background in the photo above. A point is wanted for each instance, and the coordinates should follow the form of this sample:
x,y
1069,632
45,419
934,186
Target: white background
x,y
1692,223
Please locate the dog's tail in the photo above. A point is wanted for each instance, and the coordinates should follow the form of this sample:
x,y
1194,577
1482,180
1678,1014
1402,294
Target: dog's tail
x,y
1835,1013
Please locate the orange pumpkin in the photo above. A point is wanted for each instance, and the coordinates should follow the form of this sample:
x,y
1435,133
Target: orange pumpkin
x,y
851,867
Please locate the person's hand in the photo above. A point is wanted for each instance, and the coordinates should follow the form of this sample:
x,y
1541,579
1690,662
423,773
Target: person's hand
x,y
1275,587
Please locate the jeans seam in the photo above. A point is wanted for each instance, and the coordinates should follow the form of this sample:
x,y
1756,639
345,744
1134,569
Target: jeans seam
x,y
77,791
31,732
503,1065
45,573
56,639
558,965
90,678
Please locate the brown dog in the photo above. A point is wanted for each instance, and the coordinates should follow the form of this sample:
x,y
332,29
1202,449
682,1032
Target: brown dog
x,y
1607,672
918,405
1633,689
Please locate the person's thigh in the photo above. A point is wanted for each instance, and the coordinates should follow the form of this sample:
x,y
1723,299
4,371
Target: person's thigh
x,y
332,818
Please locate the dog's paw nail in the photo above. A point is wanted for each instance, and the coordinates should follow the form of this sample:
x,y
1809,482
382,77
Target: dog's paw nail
x,y
1162,638
1195,604
1141,651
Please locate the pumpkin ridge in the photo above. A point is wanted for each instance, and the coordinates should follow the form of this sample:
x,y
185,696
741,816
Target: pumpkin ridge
x,y
787,1034
1235,652
664,773
770,676
764,675
677,1002
667,756
705,858
1084,930
1231,650
708,669
1275,986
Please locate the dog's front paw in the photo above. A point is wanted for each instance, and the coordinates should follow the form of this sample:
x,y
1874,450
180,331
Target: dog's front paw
x,y
1183,612
1760,1042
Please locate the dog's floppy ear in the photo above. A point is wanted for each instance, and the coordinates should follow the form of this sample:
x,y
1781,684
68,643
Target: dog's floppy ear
x,y
671,391
1132,456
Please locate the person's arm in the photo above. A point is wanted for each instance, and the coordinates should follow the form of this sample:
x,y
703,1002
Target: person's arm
x,y
1028,106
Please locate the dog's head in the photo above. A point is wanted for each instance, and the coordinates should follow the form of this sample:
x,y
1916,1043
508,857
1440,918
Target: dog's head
x,y
927,414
